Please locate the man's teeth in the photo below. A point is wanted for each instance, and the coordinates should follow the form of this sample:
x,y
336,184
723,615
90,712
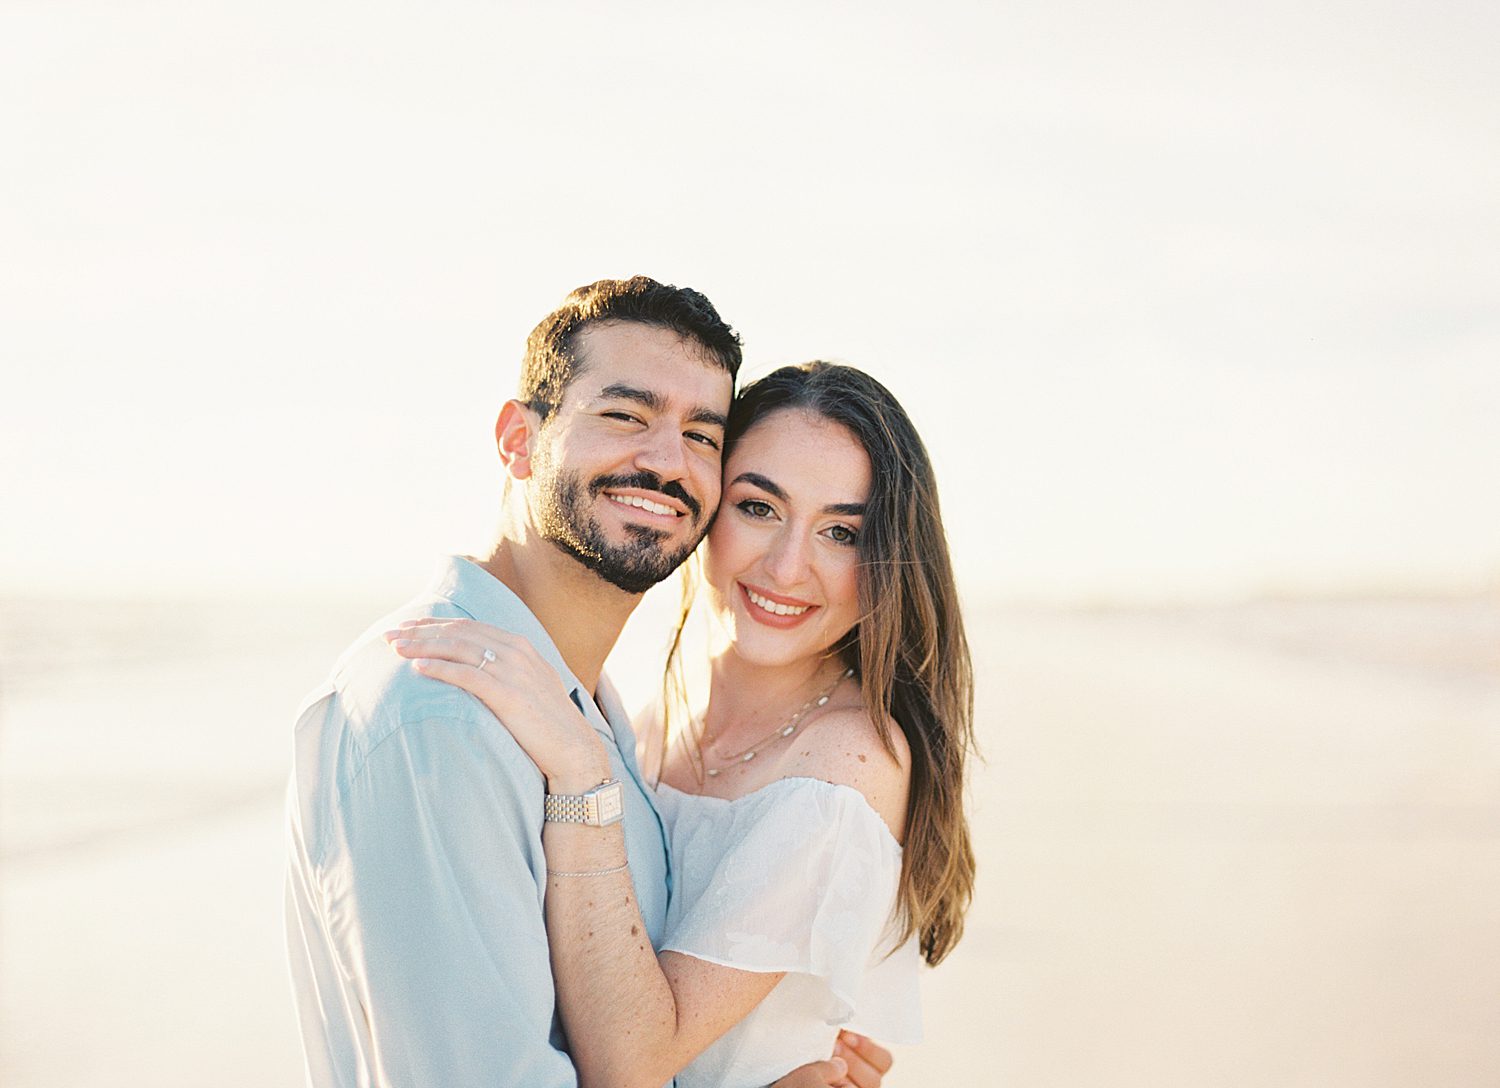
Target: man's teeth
x,y
643,504
778,609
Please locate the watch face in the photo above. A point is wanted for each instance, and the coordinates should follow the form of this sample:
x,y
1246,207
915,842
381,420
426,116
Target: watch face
x,y
611,803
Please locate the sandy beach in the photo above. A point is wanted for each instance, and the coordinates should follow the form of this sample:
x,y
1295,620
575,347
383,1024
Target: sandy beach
x,y
1255,845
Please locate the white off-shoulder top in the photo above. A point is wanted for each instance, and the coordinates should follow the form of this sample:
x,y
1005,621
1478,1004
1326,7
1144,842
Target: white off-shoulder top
x,y
799,876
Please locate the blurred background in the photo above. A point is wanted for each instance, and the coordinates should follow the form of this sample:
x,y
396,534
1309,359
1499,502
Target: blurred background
x,y
1196,307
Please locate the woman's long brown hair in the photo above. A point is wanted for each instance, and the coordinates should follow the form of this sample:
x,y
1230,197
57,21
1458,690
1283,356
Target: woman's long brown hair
x,y
908,648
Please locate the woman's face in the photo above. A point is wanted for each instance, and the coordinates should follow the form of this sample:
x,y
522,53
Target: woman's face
x,y
781,563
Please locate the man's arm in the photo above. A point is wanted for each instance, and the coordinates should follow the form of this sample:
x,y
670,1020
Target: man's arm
x,y
436,911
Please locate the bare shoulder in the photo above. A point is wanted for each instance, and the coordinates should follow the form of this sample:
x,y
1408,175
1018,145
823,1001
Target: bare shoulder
x,y
844,747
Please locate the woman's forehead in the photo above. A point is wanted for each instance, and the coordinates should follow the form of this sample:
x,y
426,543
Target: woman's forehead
x,y
806,454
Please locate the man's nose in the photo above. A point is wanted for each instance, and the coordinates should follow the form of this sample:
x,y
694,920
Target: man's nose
x,y
661,452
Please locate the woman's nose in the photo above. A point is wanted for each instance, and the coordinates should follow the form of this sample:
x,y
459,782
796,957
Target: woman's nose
x,y
786,562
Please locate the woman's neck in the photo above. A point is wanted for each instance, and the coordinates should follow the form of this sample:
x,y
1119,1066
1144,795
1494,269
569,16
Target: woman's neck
x,y
745,698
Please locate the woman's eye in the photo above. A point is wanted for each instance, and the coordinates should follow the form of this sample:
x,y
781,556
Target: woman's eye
x,y
755,508
842,534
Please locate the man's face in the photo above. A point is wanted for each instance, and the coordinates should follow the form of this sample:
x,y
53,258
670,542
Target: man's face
x,y
625,475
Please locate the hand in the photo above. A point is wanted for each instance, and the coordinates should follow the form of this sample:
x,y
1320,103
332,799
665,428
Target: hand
x,y
857,1062
825,1074
867,1060
518,687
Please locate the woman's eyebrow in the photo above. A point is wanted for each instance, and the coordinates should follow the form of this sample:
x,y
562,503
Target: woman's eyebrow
x,y
846,509
761,482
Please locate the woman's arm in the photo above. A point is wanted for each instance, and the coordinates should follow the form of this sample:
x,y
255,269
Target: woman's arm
x,y
632,1018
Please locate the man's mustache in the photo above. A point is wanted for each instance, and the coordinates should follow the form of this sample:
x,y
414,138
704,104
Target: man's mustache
x,y
648,481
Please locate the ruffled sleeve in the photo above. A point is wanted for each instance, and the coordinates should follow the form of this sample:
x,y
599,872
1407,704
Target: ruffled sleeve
x,y
800,877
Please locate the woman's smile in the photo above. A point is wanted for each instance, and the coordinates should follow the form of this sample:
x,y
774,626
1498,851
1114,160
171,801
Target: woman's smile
x,y
773,610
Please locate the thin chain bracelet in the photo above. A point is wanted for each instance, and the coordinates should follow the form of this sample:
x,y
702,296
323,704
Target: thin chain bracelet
x,y
592,872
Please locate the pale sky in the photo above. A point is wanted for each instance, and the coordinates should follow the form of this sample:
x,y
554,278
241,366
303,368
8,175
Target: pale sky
x,y
1187,299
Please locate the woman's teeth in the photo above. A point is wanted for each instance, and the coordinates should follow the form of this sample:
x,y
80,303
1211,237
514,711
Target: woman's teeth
x,y
773,607
643,504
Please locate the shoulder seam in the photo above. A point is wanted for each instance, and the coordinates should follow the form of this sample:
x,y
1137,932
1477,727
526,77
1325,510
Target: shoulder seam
x,y
400,725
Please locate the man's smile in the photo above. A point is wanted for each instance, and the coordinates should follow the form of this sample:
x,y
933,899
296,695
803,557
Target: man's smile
x,y
652,502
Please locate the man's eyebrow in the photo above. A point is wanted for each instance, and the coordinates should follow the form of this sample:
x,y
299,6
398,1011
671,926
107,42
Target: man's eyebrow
x,y
650,398
708,415
647,398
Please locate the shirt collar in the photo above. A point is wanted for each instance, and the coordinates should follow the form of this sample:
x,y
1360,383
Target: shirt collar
x,y
478,593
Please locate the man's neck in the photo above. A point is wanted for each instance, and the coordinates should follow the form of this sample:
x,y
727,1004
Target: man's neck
x,y
581,612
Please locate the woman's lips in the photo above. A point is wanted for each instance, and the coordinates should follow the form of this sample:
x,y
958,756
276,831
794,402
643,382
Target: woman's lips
x,y
760,605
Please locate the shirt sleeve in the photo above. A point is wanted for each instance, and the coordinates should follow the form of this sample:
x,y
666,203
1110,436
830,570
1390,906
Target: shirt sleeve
x,y
800,878
434,884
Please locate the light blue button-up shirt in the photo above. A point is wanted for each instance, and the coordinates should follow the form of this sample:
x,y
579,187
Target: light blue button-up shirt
x,y
416,875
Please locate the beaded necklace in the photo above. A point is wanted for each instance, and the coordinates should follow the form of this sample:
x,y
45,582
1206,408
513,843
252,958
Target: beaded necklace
x,y
786,729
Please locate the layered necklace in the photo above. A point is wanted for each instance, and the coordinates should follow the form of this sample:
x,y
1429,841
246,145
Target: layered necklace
x,y
785,729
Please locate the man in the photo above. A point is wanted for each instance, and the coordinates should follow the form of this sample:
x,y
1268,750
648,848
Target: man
x,y
414,896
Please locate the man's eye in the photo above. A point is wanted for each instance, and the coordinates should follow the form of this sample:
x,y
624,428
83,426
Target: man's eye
x,y
703,439
755,508
625,417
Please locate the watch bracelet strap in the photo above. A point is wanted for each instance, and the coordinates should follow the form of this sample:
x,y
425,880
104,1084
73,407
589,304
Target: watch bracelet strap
x,y
568,808
599,807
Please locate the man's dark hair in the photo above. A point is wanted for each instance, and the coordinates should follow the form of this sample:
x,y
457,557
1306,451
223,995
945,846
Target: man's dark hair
x,y
552,358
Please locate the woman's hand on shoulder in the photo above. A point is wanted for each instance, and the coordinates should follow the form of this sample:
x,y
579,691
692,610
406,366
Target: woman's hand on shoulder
x,y
504,671
844,747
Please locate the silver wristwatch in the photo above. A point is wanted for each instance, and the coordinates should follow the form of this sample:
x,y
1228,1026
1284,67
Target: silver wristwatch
x,y
601,806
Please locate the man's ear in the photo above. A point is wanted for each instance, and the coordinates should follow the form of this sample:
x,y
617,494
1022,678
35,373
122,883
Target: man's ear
x,y
515,436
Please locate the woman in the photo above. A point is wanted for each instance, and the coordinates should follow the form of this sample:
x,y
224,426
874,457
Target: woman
x,y
814,812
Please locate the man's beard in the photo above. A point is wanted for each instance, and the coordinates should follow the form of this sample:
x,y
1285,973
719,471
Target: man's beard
x,y
561,516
